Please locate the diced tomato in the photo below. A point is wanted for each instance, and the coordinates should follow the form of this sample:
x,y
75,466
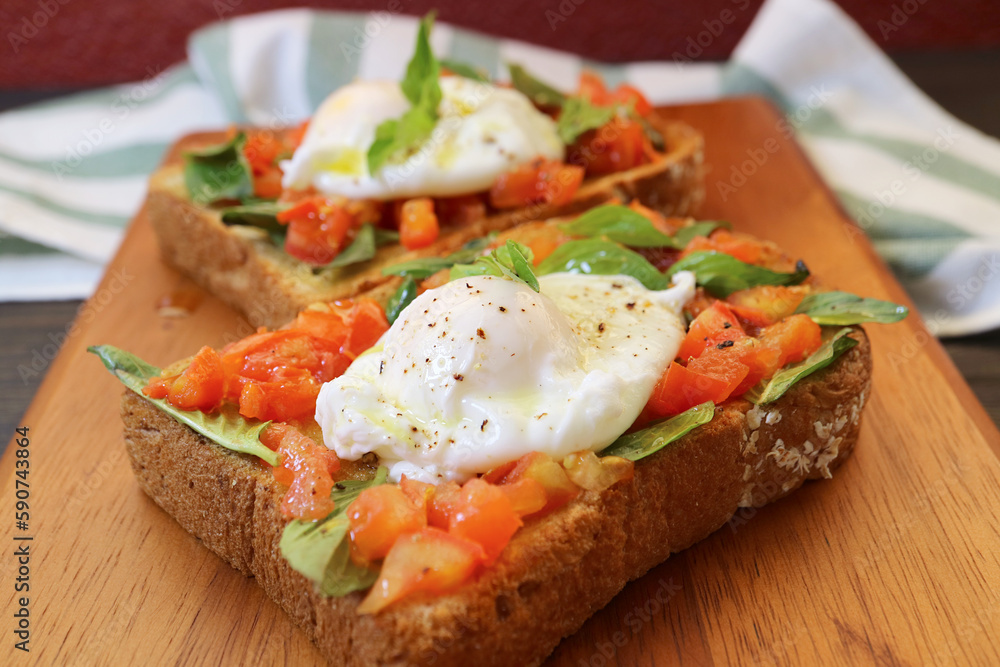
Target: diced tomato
x,y
539,181
291,398
716,325
589,472
431,561
559,489
317,229
723,364
458,211
628,94
293,138
592,88
680,389
377,517
261,150
419,493
442,504
484,515
741,246
418,224
367,322
526,495
200,387
774,302
306,469
617,146
796,337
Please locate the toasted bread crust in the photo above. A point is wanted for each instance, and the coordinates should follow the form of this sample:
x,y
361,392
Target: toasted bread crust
x,y
242,267
515,612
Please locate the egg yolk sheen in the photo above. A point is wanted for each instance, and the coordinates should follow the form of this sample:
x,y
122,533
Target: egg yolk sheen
x,y
483,370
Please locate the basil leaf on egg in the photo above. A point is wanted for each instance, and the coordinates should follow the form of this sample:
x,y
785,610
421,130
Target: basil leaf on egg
x,y
620,224
685,235
639,445
423,90
844,308
464,70
773,389
321,550
401,298
511,261
542,94
723,274
578,115
219,172
228,430
601,257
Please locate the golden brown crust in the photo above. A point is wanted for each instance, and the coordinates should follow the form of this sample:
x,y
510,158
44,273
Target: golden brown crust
x,y
243,268
515,612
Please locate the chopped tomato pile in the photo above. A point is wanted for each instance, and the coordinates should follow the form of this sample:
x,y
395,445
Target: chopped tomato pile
x,y
276,376
431,539
263,150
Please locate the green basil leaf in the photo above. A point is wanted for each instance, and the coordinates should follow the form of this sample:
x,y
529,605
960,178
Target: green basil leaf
x,y
775,388
263,214
511,261
425,267
685,235
538,92
603,258
362,248
231,431
385,237
723,274
620,224
401,298
422,88
843,308
464,69
579,115
320,550
219,172
639,445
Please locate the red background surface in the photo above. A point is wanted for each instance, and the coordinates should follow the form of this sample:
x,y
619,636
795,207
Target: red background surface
x,y
47,44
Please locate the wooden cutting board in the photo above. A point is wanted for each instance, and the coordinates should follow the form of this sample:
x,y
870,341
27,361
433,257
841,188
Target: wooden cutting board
x,y
895,561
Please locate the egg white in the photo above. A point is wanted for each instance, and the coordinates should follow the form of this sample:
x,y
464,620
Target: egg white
x,y
483,370
483,131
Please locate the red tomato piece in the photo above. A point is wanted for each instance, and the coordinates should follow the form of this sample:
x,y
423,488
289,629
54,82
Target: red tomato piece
x,y
526,495
617,146
377,517
559,489
539,181
484,515
741,246
456,211
418,224
200,387
317,229
419,493
627,94
680,389
442,504
714,326
795,337
306,468
431,561
723,364
774,302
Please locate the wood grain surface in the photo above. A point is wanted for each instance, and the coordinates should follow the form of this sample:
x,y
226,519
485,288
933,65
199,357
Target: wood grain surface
x,y
894,561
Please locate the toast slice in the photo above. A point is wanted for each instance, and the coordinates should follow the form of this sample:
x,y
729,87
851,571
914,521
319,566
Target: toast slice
x,y
516,611
243,267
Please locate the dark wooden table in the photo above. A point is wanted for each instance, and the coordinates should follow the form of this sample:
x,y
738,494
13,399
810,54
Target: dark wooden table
x,y
963,83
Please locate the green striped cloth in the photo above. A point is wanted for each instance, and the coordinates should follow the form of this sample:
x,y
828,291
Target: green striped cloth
x,y
923,185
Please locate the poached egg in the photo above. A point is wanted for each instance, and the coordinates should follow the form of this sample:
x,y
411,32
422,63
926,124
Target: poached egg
x,y
482,132
483,370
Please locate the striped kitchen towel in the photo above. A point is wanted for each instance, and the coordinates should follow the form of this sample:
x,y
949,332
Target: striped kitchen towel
x,y
924,186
